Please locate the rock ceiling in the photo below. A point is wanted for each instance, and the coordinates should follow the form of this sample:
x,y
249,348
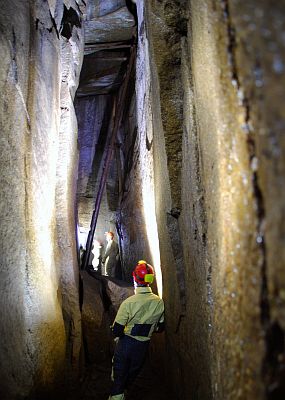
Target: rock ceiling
x,y
109,30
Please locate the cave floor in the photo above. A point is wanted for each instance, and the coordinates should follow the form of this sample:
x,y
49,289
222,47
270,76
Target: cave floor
x,y
147,386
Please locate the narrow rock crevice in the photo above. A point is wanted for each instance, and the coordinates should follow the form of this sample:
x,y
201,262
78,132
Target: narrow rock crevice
x,y
270,365
177,249
53,26
253,160
133,9
232,44
69,20
14,71
130,159
274,365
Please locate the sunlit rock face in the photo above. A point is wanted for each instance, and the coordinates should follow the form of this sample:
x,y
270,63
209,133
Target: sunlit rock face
x,y
39,296
210,150
133,228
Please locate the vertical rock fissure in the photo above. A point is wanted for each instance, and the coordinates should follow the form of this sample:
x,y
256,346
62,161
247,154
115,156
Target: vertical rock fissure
x,y
14,51
275,347
231,42
273,371
177,249
53,25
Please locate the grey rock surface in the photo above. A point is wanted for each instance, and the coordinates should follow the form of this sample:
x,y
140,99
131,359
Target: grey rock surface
x,y
39,72
111,26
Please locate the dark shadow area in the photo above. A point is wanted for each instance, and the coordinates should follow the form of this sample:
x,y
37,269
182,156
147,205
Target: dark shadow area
x,y
69,20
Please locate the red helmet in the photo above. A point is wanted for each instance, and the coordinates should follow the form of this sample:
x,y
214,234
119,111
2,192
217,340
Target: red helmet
x,y
143,273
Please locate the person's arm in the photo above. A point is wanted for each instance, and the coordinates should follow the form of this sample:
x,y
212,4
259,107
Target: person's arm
x,y
117,329
160,327
160,324
121,320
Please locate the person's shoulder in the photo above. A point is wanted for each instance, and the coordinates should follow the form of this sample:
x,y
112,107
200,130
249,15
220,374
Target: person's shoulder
x,y
155,296
157,299
130,299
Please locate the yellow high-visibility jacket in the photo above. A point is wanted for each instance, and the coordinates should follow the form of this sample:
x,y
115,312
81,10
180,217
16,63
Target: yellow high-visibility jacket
x,y
139,315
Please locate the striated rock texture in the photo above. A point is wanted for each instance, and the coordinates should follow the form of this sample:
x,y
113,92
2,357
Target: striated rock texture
x,y
234,101
40,318
208,151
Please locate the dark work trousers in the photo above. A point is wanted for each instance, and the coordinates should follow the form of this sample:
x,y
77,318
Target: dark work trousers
x,y
128,359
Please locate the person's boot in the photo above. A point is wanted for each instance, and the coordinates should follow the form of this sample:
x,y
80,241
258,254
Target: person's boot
x,y
117,397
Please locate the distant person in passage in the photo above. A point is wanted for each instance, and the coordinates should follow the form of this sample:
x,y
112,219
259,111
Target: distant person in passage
x,y
111,255
81,253
138,317
96,250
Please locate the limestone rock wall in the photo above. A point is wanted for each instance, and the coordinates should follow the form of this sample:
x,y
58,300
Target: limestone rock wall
x,y
234,52
39,297
210,152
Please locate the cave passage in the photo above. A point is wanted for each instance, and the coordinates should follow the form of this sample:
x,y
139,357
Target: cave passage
x,y
110,135
155,128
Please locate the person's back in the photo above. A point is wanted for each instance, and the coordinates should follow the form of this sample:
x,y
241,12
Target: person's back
x,y
143,310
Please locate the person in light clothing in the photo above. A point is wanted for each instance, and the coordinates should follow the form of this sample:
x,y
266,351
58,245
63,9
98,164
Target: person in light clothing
x,y
138,317
111,255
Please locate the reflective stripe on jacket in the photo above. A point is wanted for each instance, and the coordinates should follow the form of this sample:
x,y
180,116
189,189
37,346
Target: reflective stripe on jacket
x,y
140,314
